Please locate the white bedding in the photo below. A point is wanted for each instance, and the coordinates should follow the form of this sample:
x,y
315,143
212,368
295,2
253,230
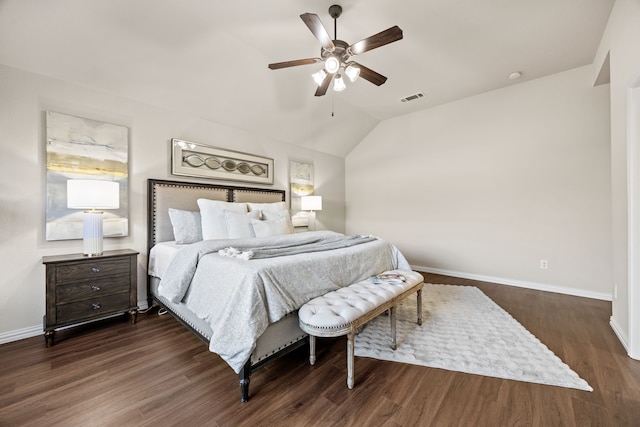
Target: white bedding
x,y
239,298
160,257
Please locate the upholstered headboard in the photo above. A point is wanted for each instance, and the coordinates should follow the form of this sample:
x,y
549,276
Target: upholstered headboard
x,y
163,195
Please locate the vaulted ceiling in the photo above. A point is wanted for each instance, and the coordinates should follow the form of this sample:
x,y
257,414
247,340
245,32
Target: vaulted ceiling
x,y
209,58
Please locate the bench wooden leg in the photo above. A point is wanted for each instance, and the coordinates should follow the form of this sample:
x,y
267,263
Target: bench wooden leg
x,y
392,318
350,352
312,350
419,296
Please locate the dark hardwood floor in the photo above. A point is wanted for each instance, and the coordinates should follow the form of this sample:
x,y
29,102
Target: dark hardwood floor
x,y
156,373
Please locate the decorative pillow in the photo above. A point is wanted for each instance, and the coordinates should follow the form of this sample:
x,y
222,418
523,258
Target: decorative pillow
x,y
239,224
264,228
275,215
270,207
214,225
186,225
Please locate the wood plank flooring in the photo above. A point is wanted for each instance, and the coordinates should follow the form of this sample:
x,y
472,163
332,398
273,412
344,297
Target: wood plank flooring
x,y
156,373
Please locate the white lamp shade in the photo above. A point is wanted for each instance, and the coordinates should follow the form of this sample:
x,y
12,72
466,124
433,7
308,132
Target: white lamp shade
x,y
319,76
311,203
338,84
92,194
352,71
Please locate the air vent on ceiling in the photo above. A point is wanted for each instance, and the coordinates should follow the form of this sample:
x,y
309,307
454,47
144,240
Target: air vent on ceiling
x,y
413,97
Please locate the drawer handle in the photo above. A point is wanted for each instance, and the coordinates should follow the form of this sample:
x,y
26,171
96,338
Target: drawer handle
x,y
95,269
96,306
95,288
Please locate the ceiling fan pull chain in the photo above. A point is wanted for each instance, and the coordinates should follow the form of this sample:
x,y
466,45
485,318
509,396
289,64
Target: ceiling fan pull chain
x,y
333,97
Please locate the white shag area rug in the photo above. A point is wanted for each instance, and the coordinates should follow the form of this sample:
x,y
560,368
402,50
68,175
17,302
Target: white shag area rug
x,y
464,330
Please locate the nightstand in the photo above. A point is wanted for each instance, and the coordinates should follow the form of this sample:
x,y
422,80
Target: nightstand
x,y
83,289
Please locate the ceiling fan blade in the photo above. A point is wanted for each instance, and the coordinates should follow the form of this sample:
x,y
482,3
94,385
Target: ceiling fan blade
x,y
315,25
370,75
387,36
322,89
295,63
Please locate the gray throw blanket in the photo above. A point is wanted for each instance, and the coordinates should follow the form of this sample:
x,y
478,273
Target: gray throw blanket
x,y
295,248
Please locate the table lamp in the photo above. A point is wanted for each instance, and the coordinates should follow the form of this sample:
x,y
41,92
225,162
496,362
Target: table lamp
x,y
92,195
311,204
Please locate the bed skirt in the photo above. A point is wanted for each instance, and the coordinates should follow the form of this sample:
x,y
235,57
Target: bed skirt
x,y
278,336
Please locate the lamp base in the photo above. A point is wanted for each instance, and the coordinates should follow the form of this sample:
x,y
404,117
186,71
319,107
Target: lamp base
x,y
92,233
312,221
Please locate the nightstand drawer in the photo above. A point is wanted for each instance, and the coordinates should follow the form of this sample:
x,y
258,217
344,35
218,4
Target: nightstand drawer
x,y
90,269
93,288
92,307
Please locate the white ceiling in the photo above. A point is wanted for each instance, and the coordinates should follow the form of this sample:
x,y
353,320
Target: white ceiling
x,y
209,57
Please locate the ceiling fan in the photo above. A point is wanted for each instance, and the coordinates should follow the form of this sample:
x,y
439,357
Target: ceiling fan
x,y
336,54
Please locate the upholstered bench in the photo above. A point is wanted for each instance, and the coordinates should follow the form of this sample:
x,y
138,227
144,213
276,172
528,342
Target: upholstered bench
x,y
343,311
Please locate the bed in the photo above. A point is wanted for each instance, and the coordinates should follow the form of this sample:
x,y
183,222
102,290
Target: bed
x,y
240,293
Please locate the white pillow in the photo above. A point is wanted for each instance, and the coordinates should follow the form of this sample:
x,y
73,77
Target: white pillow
x,y
271,207
239,224
214,225
263,228
272,216
186,225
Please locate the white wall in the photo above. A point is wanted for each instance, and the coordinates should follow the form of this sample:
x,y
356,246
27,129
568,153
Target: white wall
x,y
490,185
620,42
23,99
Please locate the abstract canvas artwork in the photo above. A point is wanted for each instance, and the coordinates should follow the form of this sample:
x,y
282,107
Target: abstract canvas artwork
x,y
301,181
79,148
301,176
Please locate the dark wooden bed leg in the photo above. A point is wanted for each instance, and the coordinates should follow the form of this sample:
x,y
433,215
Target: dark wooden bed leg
x,y
245,375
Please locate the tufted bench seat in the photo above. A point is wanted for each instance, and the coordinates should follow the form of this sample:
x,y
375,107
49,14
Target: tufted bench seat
x,y
343,311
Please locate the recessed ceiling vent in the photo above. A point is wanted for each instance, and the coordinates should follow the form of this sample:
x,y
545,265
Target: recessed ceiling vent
x,y
413,97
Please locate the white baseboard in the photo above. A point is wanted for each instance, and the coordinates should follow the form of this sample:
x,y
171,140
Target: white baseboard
x,y
518,283
20,334
618,331
33,331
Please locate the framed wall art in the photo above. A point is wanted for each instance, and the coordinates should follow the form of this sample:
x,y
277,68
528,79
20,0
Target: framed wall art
x,y
203,161
301,181
84,149
301,178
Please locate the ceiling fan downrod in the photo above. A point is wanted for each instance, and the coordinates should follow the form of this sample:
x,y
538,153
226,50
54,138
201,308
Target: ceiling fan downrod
x,y
335,11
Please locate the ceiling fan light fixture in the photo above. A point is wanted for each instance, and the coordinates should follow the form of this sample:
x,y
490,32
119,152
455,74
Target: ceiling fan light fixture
x,y
319,76
352,71
335,54
338,83
332,65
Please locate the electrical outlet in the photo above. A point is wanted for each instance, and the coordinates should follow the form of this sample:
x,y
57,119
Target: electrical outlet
x,y
544,264
615,292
